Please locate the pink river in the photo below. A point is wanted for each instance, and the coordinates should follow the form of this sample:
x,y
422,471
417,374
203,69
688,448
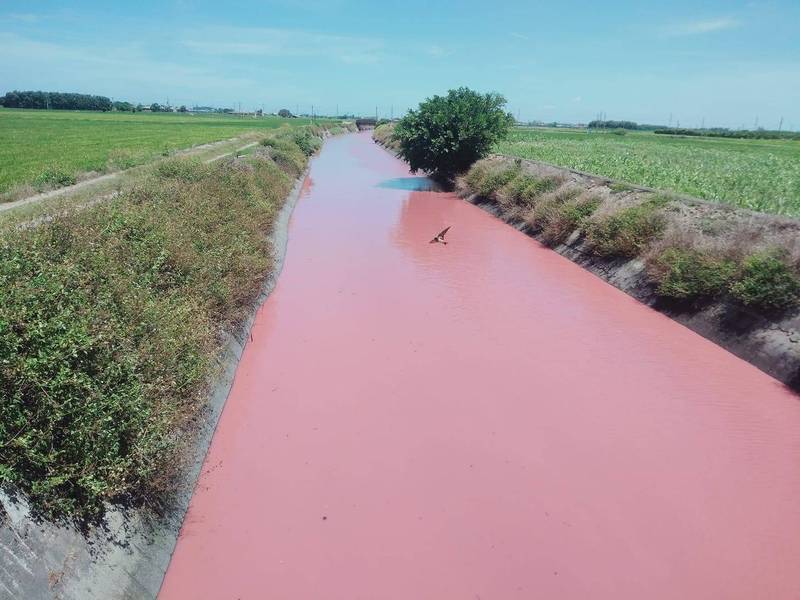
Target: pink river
x,y
481,420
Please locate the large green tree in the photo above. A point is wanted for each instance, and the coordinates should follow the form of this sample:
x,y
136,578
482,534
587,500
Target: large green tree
x,y
446,134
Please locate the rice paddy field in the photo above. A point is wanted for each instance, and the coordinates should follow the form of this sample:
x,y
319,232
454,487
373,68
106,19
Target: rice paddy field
x,y
762,175
41,149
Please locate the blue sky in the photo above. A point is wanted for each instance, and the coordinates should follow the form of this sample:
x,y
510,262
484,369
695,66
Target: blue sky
x,y
724,62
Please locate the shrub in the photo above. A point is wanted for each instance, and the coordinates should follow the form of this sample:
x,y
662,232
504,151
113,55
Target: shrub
x,y
307,142
446,134
54,176
767,281
628,231
688,274
286,154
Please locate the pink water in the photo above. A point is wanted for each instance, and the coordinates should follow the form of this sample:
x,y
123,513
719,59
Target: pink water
x,y
482,420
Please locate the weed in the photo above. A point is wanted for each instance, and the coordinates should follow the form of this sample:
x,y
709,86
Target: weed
x,y
559,213
689,274
628,231
54,177
767,281
307,142
495,179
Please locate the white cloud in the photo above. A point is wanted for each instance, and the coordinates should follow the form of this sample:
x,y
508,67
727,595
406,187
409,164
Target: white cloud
x,y
520,36
262,41
701,26
577,99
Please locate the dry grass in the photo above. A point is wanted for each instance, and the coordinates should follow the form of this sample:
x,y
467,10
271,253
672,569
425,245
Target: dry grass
x,y
384,135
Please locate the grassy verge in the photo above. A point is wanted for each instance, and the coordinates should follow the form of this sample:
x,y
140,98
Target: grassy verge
x,y
693,252
111,319
383,134
48,149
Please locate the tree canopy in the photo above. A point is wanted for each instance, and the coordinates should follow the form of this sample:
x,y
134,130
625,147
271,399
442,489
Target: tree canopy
x,y
55,100
446,134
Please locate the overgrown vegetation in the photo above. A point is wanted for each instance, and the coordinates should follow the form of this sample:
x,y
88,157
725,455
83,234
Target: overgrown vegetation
x,y
52,177
384,135
627,232
111,319
447,134
691,274
767,281
680,267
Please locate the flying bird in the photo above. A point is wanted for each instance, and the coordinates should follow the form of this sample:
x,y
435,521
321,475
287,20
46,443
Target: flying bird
x,y
439,239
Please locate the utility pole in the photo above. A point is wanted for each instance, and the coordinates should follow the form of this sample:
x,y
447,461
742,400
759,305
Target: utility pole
x,y
670,119
376,113
337,109
755,125
703,124
780,125
312,113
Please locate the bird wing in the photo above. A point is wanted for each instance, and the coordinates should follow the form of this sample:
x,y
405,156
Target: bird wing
x,y
445,230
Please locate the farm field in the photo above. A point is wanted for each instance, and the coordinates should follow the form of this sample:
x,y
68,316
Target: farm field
x,y
50,148
762,175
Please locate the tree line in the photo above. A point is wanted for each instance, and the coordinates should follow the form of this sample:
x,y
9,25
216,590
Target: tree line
x,y
758,134
71,101
632,125
55,100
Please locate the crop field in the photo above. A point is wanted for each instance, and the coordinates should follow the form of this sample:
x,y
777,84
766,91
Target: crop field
x,y
51,148
762,175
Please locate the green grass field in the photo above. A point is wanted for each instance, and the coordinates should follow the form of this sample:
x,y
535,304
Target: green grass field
x,y
762,175
51,147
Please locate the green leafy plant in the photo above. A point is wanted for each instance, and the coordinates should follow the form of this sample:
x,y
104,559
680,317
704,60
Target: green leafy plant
x,y
307,142
54,176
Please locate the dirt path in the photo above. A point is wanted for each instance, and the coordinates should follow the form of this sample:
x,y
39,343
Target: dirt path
x,y
480,420
102,179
